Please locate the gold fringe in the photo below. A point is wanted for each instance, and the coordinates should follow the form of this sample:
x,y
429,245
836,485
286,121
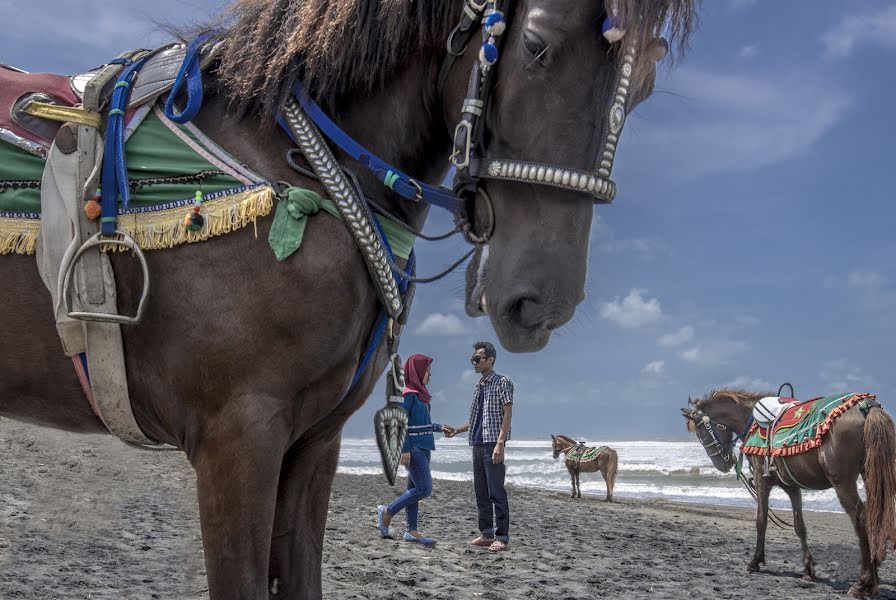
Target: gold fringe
x,y
165,228
162,229
18,236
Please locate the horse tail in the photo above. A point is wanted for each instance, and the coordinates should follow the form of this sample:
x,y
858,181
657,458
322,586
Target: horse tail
x,y
612,464
880,482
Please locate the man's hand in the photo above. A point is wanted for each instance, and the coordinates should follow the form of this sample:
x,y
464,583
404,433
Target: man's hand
x,y
449,431
405,459
498,453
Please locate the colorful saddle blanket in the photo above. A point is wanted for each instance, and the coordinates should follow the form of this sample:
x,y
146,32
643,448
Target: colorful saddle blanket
x,y
585,454
167,165
802,427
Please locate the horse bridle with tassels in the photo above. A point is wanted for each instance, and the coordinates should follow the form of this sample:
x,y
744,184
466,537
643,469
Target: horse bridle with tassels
x,y
468,155
712,427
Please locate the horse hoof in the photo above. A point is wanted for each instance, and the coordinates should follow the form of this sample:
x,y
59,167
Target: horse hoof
x,y
753,568
857,591
807,577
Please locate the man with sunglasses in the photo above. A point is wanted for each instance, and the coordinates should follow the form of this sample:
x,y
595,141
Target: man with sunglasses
x,y
489,428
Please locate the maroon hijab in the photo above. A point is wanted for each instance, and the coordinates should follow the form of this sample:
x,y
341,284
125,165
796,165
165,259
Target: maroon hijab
x,y
414,371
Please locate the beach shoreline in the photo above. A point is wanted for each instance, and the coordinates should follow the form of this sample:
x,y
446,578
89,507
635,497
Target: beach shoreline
x,y
87,517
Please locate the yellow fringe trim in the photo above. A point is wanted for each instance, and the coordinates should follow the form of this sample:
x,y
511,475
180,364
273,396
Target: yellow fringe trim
x,y
165,228
162,229
18,236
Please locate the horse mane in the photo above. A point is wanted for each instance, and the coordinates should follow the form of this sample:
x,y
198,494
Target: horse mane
x,y
335,47
743,398
342,47
566,438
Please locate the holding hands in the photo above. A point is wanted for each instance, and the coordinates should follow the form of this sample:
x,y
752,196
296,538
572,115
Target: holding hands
x,y
449,431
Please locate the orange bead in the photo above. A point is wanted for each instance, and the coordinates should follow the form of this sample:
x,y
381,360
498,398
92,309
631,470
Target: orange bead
x,y
93,210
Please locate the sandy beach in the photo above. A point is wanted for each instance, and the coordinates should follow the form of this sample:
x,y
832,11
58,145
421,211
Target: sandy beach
x,y
85,517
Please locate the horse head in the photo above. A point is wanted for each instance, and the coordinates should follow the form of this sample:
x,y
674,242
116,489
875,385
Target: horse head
x,y
717,420
555,445
556,95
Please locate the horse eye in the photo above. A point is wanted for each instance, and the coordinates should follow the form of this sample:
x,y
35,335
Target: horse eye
x,y
534,44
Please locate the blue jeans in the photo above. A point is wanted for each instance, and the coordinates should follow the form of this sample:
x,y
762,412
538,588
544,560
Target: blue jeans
x,y
419,487
491,497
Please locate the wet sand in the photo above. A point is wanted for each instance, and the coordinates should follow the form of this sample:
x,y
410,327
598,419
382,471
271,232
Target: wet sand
x,y
86,517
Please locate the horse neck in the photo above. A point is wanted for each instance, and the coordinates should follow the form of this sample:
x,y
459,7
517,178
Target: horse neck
x,y
570,444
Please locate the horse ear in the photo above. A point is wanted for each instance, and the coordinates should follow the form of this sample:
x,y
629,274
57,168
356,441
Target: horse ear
x,y
687,413
552,437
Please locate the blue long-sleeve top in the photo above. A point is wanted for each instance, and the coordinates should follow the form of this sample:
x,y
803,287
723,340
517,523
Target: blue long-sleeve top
x,y
420,425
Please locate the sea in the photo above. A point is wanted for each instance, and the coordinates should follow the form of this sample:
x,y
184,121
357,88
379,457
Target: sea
x,y
676,471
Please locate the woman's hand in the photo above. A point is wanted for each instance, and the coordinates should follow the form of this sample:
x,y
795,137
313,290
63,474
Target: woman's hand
x,y
449,431
405,459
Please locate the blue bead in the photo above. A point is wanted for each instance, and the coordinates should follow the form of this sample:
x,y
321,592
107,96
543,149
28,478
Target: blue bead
x,y
488,54
495,24
612,29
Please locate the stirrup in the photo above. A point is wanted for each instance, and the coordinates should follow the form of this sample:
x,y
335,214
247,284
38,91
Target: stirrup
x,y
66,271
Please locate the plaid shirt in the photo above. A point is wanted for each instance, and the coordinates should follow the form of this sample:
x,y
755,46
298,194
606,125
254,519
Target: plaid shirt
x,y
497,390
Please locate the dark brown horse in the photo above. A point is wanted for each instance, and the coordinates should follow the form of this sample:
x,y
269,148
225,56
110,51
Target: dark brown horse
x,y
579,459
854,446
243,362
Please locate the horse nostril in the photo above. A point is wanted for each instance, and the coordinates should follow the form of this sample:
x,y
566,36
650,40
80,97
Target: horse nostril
x,y
528,311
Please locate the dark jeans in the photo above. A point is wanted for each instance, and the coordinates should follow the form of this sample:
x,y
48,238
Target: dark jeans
x,y
419,487
491,497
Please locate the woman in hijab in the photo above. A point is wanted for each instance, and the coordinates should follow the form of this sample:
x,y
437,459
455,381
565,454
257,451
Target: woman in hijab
x,y
416,451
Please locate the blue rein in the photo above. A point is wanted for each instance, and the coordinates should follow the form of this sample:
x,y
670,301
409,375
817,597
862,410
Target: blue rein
x,y
402,184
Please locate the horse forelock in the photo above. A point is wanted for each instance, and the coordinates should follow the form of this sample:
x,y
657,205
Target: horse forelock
x,y
333,46
646,20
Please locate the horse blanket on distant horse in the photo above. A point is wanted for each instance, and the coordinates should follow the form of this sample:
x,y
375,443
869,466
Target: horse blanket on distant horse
x,y
803,426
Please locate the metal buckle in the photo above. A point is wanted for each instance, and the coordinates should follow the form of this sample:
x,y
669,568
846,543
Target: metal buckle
x,y
419,196
464,128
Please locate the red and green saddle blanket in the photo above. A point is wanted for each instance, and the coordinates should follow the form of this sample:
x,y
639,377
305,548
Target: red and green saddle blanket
x,y
585,454
803,426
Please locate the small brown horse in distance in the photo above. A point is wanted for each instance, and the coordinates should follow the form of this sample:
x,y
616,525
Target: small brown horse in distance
x,y
855,446
606,462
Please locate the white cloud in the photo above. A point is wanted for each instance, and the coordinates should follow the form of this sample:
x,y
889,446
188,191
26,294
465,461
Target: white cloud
x,y
654,368
739,122
857,29
748,51
633,311
748,320
840,376
745,382
865,280
713,352
682,336
470,377
441,324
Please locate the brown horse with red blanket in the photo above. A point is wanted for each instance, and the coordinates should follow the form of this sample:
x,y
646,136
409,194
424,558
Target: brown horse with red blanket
x,y
846,445
245,363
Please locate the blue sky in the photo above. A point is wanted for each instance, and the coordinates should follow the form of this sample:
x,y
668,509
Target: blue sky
x,y
750,243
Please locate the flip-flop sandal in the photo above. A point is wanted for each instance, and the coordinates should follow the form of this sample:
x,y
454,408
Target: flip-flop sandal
x,y
420,540
384,529
498,546
482,542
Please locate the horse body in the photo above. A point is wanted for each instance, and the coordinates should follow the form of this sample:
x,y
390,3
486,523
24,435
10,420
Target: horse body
x,y
854,446
244,362
606,461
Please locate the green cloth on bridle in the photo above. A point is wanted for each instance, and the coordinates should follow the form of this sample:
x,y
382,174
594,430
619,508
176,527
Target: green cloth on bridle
x,y
291,216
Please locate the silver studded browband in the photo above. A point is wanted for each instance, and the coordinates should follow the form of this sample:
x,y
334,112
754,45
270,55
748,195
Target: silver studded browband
x,y
597,184
352,208
603,190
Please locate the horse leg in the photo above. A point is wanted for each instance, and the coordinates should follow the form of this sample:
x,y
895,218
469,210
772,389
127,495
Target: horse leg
x,y
303,500
609,496
237,462
763,489
799,526
578,483
848,494
572,477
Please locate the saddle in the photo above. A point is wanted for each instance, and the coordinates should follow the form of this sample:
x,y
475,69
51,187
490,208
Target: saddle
x,y
801,426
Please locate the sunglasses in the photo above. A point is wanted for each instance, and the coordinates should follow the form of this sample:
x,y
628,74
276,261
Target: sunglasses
x,y
475,359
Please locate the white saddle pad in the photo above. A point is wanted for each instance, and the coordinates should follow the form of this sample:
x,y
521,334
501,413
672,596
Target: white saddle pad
x,y
768,409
